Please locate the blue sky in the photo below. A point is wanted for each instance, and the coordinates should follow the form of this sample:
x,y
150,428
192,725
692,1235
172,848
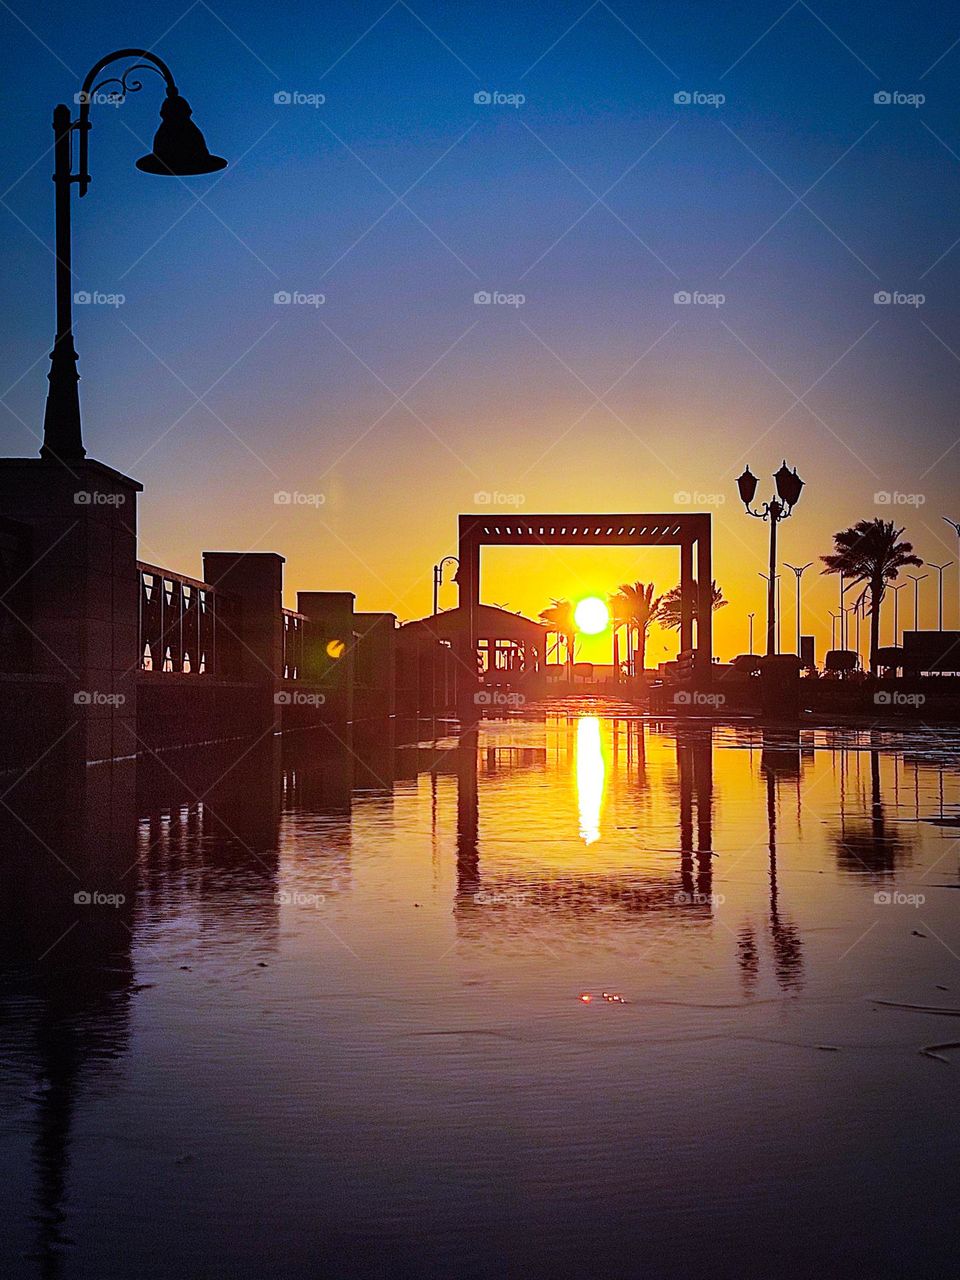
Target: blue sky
x,y
398,400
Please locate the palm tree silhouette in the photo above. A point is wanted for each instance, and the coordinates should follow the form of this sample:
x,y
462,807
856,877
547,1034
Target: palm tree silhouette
x,y
559,618
635,608
669,605
870,553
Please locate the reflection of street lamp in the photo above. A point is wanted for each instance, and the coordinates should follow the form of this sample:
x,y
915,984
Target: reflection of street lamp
x,y
799,571
940,568
179,150
917,578
789,486
438,579
896,613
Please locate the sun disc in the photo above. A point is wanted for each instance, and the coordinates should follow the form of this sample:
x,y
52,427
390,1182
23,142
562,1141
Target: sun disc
x,y
592,616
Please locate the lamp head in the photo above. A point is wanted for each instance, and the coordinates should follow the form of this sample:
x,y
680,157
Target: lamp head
x,y
747,484
179,148
788,484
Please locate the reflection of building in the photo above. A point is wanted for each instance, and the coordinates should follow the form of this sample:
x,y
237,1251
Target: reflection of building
x,y
68,884
619,889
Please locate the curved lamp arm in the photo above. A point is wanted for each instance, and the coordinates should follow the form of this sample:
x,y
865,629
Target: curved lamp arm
x,y
124,84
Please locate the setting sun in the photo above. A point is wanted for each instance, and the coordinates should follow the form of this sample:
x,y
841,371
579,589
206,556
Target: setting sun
x,y
592,616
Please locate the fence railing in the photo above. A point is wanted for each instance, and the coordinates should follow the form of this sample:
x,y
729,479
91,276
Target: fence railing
x,y
186,625
293,629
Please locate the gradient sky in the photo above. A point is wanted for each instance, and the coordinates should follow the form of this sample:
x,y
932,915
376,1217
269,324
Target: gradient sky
x,y
597,199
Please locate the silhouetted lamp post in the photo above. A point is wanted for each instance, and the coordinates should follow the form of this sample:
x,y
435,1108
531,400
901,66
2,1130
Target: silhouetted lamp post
x,y
438,579
940,568
896,613
799,570
179,150
751,616
779,508
916,578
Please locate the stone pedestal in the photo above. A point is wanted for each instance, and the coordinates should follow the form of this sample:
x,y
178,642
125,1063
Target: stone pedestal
x,y
78,595
255,579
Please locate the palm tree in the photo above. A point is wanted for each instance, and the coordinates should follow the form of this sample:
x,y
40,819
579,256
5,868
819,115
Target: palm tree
x,y
870,553
619,617
635,606
559,618
669,605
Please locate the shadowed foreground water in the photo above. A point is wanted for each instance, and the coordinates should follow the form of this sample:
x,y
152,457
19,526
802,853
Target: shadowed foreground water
x,y
350,1018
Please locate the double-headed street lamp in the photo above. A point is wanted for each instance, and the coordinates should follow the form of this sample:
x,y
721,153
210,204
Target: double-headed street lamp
x,y
896,613
917,578
438,579
179,150
779,508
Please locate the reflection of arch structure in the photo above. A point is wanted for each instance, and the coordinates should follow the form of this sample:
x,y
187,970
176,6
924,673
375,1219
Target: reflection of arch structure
x,y
691,533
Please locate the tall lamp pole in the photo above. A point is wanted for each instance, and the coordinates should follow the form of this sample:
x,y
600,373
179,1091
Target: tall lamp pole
x,y
917,579
833,629
179,150
955,525
896,613
751,616
789,486
776,639
438,580
799,571
940,568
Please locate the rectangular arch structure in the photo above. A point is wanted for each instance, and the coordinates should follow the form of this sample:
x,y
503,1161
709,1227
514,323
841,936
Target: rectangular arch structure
x,y
691,534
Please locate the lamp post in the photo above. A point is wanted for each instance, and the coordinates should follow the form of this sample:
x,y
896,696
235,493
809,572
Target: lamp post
x,y
438,580
917,579
896,613
833,629
751,616
779,508
956,526
179,150
776,579
940,568
799,571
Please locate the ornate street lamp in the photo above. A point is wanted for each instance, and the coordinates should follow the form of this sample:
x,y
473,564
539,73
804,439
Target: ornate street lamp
x,y
179,150
789,486
438,580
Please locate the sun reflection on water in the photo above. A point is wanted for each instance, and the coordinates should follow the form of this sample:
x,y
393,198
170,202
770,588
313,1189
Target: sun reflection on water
x,y
591,777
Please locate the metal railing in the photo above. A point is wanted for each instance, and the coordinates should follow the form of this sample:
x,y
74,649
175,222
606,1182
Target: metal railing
x,y
185,625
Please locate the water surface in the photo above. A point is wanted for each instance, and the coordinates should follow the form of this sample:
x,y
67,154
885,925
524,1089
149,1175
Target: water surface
x,y
351,1021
